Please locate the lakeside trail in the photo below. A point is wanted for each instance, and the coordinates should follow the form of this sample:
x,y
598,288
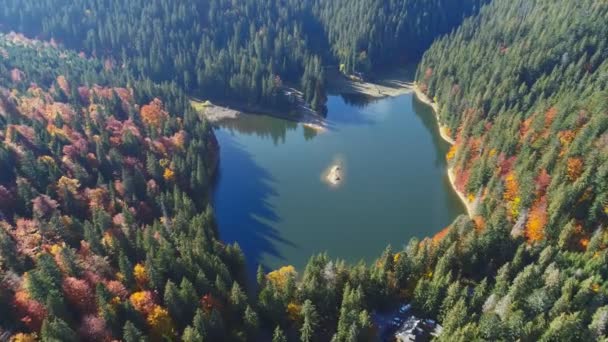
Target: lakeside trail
x,y
470,206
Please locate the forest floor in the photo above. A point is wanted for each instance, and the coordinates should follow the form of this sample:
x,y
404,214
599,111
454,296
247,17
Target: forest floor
x,y
389,83
469,205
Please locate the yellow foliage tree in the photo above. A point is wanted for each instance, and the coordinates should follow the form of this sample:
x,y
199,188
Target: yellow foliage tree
x,y
107,239
140,274
21,337
160,322
293,311
142,301
279,277
451,153
69,184
169,175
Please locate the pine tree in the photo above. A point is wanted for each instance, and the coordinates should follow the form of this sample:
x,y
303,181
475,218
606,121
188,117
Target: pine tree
x,y
56,330
311,320
132,334
173,302
278,335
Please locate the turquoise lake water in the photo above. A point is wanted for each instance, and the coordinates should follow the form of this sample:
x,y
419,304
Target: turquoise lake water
x,y
270,196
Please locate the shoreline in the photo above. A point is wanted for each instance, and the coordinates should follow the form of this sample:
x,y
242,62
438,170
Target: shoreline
x,y
305,116
387,85
470,207
425,99
215,113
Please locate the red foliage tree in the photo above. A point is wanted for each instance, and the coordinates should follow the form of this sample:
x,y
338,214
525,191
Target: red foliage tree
x,y
208,302
31,312
93,328
542,182
79,293
63,84
117,289
44,206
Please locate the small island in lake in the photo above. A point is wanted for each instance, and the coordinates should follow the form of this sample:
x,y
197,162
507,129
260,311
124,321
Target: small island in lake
x,y
334,175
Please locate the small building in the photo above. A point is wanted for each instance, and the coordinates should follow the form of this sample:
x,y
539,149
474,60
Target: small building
x,y
415,330
401,324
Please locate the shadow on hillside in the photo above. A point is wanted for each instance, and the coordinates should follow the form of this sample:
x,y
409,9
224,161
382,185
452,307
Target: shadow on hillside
x,y
241,206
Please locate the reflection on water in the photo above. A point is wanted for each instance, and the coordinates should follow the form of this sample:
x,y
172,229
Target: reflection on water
x,y
359,100
271,200
262,126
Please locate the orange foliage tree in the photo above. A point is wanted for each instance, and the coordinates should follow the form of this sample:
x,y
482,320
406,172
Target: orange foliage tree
x,y
511,194
153,114
63,84
575,168
169,175
537,220
550,116
442,234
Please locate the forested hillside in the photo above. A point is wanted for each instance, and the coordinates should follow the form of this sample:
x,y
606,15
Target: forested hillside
x,y
100,236
523,90
240,50
367,35
105,232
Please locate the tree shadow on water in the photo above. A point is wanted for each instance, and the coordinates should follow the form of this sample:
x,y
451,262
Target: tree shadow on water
x,y
242,208
426,115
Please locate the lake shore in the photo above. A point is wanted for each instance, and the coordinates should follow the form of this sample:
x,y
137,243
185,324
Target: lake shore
x,y
387,85
470,207
230,111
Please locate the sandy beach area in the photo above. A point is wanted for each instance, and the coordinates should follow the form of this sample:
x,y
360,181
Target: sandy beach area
x,y
386,84
471,210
